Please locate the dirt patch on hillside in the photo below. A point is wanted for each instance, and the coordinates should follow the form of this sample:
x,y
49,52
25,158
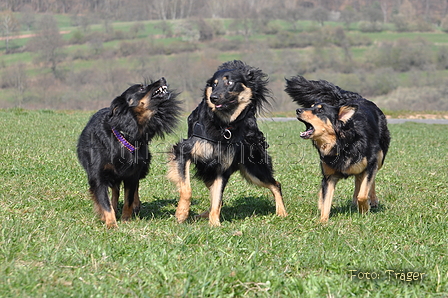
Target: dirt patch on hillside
x,y
442,115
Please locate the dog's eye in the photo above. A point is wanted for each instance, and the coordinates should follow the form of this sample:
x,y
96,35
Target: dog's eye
x,y
142,88
214,84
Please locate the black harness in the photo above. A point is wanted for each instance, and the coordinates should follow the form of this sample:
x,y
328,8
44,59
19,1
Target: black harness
x,y
227,136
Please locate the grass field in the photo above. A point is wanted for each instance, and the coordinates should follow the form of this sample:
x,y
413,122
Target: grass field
x,y
53,245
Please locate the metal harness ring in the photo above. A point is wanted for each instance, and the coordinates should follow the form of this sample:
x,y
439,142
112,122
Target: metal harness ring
x,y
227,134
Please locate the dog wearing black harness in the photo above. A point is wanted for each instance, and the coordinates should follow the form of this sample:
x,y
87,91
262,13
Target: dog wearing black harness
x,y
223,137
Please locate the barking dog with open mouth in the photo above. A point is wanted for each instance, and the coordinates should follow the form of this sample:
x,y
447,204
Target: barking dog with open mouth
x,y
113,147
223,137
349,132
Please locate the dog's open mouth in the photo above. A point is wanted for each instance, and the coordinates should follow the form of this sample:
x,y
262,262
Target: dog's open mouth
x,y
224,105
160,91
308,132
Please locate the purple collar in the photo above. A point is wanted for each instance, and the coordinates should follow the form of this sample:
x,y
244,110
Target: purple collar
x,y
122,140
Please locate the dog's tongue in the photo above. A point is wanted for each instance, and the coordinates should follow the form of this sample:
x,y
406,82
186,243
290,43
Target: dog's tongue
x,y
306,134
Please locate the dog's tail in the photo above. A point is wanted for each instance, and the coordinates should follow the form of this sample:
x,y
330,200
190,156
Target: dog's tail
x,y
307,93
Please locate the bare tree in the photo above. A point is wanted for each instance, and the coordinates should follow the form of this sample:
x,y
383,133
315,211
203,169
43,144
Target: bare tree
x,y
48,42
8,26
320,15
384,4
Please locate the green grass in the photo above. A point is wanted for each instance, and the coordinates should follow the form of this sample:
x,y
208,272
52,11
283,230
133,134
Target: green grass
x,y
53,245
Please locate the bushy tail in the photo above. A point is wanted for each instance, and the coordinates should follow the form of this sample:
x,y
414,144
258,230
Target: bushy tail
x,y
307,93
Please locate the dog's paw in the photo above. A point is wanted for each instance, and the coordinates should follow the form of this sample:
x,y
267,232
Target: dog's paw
x,y
181,215
363,206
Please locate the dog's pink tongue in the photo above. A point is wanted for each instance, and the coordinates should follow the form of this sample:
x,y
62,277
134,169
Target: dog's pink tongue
x,y
306,134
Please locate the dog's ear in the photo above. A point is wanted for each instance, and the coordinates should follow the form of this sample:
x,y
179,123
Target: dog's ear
x,y
250,73
346,112
117,105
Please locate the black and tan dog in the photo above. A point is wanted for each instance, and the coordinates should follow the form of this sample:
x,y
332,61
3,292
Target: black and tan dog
x,y
349,132
113,147
223,137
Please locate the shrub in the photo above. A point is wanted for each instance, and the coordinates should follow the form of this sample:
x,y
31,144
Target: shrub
x,y
77,38
403,55
444,25
400,22
370,27
132,48
228,45
442,58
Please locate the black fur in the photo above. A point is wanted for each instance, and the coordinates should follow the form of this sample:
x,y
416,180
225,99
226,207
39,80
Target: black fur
x,y
142,112
223,137
349,132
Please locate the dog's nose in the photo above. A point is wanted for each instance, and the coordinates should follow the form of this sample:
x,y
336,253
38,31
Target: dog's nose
x,y
214,98
299,111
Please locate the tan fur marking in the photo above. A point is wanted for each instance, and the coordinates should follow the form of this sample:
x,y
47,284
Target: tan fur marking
x,y
244,99
109,218
127,210
183,207
327,170
357,167
325,202
379,157
115,196
364,191
358,180
141,110
324,136
215,202
136,205
274,188
202,149
208,92
345,113
173,173
372,196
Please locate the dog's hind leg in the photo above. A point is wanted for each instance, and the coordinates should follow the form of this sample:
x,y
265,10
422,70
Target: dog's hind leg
x,y
366,189
103,205
260,175
179,173
326,196
358,180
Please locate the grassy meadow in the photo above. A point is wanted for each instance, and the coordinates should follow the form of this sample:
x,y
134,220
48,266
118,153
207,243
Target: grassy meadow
x,y
53,245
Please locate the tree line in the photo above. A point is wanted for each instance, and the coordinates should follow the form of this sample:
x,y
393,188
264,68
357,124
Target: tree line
x,y
430,11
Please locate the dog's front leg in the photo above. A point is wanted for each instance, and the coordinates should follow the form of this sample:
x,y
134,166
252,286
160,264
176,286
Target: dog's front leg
x,y
130,191
115,196
216,191
103,205
326,196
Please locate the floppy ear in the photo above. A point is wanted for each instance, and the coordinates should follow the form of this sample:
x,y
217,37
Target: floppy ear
x,y
117,106
345,113
250,73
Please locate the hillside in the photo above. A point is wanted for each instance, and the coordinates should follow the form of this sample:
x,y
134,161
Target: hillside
x,y
65,65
